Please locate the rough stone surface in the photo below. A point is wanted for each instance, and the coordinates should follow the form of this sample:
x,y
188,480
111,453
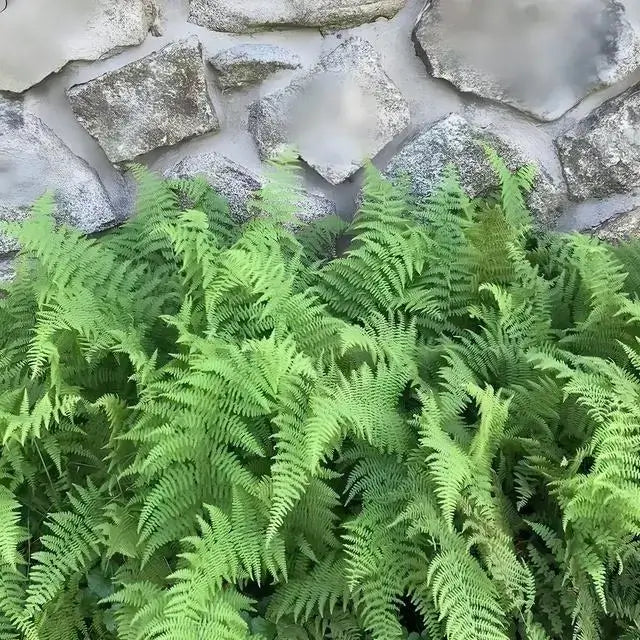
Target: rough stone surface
x,y
248,64
314,206
601,154
247,16
454,140
540,56
236,184
343,112
11,112
75,30
157,101
33,160
625,226
7,271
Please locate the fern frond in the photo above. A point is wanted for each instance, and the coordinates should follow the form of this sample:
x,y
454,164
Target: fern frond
x,y
11,533
73,544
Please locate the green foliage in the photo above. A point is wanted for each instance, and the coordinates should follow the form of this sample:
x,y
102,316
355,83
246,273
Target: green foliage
x,y
223,432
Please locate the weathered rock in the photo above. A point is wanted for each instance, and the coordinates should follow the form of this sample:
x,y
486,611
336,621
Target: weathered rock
x,y
236,184
601,155
314,206
620,228
33,160
7,267
231,180
248,64
11,111
540,56
343,112
154,102
454,140
247,16
75,30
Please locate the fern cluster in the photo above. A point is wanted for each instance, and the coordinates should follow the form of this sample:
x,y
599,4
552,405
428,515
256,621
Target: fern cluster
x,y
223,432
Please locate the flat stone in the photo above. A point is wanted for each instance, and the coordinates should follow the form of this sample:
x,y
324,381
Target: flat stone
x,y
601,155
340,114
540,56
237,184
39,37
33,160
157,101
454,140
620,228
248,64
248,16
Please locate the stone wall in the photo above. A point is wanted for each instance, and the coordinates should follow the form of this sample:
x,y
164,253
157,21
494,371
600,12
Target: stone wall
x,y
214,87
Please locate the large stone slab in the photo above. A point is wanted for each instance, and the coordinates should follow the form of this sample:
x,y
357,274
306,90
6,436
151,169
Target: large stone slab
x,y
540,56
247,16
237,184
337,116
154,102
601,154
248,64
454,140
39,37
33,160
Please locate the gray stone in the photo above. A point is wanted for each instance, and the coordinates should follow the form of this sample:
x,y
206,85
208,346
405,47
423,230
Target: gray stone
x,y
314,206
11,111
540,56
7,267
154,102
39,37
237,184
601,154
620,228
337,116
231,180
247,16
454,140
33,160
248,64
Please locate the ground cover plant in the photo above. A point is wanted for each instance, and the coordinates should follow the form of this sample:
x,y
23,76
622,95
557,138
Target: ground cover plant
x,y
217,431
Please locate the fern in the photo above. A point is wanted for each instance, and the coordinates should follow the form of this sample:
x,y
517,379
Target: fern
x,y
10,533
73,545
420,424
